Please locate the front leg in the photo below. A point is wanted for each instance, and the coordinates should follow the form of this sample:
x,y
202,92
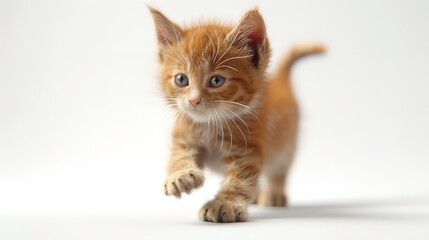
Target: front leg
x,y
238,189
184,173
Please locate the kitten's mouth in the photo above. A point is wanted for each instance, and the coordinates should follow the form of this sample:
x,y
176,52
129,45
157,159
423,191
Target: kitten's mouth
x,y
206,112
198,115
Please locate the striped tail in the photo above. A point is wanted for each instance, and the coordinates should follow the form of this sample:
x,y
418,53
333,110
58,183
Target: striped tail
x,y
293,55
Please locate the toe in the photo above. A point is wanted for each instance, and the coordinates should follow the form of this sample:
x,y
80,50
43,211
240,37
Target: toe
x,y
218,211
172,189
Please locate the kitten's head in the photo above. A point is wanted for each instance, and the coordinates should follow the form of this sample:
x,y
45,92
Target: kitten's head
x,y
211,71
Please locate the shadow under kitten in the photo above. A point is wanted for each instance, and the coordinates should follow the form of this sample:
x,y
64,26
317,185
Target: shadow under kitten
x,y
374,209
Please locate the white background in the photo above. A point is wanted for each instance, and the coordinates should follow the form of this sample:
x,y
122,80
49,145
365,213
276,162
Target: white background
x,y
84,135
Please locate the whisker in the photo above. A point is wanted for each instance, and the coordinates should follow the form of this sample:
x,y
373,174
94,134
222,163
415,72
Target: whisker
x,y
221,127
215,128
181,119
242,133
241,119
232,102
170,67
175,32
180,48
210,118
232,58
170,110
233,40
204,59
217,48
226,66
171,105
171,47
212,43
230,132
191,53
171,102
158,117
250,110
165,54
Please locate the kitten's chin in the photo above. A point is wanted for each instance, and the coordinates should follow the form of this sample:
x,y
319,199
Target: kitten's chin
x,y
198,116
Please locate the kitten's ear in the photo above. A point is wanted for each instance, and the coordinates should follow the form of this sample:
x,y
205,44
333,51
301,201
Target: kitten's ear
x,y
167,32
250,33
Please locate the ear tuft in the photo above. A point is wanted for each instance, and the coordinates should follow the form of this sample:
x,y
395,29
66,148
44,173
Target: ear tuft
x,y
250,33
167,32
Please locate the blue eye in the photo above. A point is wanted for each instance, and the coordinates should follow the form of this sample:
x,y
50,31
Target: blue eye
x,y
216,81
181,80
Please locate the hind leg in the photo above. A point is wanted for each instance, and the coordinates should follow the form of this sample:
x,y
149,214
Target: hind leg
x,y
273,195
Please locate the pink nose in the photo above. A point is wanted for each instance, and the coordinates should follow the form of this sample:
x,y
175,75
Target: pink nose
x,y
194,102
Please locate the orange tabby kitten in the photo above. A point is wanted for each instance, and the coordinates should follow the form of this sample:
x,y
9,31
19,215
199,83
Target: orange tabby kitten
x,y
229,116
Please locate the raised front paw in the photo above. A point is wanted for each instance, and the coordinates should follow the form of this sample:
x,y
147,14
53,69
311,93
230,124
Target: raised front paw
x,y
223,211
183,181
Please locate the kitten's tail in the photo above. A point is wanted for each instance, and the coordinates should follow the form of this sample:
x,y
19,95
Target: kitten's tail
x,y
293,55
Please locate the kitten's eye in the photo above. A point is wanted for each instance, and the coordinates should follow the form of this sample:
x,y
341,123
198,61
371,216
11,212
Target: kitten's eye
x,y
216,81
181,80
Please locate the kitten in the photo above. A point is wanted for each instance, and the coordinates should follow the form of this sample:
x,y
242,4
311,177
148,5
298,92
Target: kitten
x,y
230,116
